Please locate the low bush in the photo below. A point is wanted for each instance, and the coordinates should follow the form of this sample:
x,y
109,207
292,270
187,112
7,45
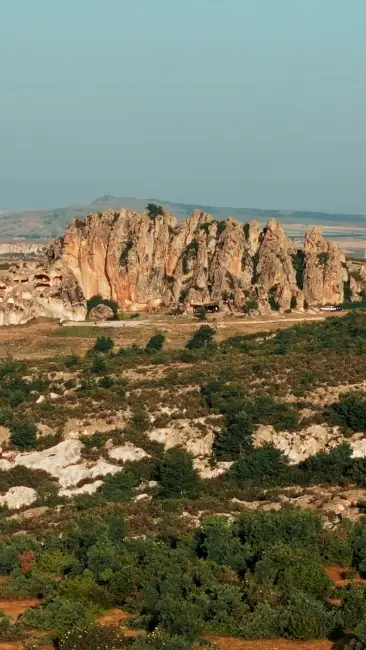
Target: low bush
x,y
103,344
262,464
349,412
202,338
177,476
156,342
23,434
94,638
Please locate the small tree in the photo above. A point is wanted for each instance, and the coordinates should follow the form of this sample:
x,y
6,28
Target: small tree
x,y
98,366
261,464
235,438
156,342
201,338
154,210
23,434
306,618
250,306
201,314
177,476
103,344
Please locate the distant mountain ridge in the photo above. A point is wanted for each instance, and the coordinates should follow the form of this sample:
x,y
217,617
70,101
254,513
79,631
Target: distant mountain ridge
x,y
49,224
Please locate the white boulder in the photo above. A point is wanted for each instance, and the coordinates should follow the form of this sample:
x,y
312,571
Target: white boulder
x,y
88,488
127,452
18,497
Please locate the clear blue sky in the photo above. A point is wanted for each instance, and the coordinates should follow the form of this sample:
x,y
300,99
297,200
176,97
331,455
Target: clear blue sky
x,y
251,103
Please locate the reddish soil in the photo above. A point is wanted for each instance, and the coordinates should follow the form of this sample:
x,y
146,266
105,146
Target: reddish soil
x,y
15,608
339,574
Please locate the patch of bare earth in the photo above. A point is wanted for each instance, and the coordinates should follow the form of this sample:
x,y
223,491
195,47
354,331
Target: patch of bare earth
x,y
40,338
15,608
340,576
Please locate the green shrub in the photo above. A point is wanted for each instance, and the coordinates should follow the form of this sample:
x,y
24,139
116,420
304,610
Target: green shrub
x,y
298,261
258,466
7,632
17,397
354,606
98,366
55,561
156,342
218,542
360,643
60,615
177,476
94,638
272,299
103,344
328,466
202,338
140,419
120,486
201,314
250,306
299,528
10,551
154,210
23,434
349,412
306,617
72,361
323,259
235,438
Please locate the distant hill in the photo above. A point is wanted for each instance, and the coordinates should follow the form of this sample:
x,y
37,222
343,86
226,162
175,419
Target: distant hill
x,y
48,224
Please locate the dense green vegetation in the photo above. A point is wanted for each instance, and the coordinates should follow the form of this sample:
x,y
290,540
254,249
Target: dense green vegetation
x,y
188,559
262,576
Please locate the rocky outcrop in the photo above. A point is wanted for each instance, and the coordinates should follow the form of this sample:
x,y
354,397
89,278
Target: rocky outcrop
x,y
299,445
31,290
100,313
144,262
20,248
18,497
325,271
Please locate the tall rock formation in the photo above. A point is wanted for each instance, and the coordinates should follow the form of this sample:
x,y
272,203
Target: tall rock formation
x,y
325,270
144,262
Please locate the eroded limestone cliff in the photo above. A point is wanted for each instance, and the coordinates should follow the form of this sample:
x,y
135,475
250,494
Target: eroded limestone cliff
x,y
145,262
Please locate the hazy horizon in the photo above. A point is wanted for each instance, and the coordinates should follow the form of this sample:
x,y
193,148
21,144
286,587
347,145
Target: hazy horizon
x,y
247,103
172,201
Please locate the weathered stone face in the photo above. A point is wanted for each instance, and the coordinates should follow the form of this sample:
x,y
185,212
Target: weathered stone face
x,y
324,274
145,262
101,313
30,290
